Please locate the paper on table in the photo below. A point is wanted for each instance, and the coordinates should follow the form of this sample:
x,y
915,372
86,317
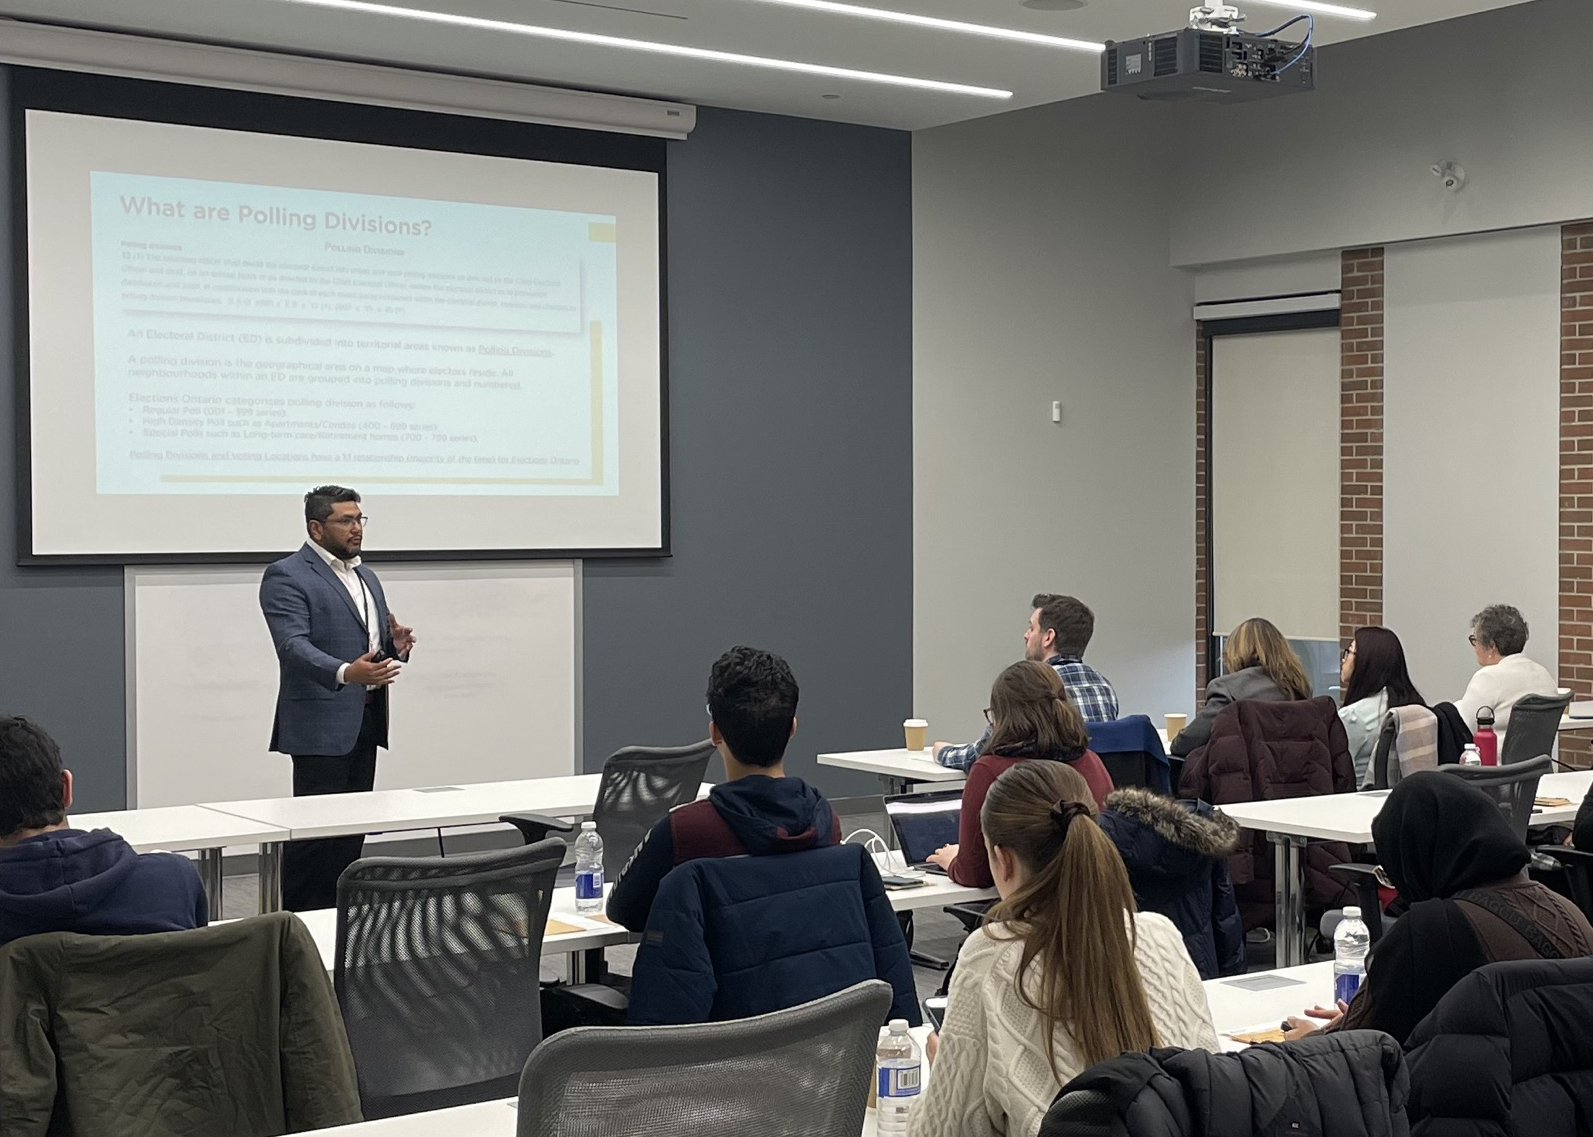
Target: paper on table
x,y
560,928
1259,1034
1262,981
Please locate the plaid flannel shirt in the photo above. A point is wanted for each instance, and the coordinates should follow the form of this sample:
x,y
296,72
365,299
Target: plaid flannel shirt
x,y
1088,690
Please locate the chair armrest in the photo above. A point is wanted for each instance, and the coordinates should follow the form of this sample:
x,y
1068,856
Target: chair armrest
x,y
971,913
1566,855
535,827
1364,880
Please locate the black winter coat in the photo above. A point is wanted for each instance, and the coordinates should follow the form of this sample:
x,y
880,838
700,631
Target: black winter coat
x,y
1176,853
1348,1084
1508,1050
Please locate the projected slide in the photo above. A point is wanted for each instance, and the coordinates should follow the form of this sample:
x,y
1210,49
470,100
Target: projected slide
x,y
219,320
250,337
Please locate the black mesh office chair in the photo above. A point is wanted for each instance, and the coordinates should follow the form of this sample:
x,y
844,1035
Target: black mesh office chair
x,y
640,784
1515,787
1534,726
802,1072
437,968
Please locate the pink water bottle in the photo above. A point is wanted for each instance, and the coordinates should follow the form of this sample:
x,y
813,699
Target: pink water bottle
x,y
1487,741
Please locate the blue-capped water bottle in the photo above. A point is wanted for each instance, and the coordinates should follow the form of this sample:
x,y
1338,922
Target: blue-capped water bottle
x,y
900,1073
1351,941
588,868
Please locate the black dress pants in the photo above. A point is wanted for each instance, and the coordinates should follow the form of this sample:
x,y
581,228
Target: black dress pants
x,y
310,868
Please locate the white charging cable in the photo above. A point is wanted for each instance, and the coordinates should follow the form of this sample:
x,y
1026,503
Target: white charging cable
x,y
877,844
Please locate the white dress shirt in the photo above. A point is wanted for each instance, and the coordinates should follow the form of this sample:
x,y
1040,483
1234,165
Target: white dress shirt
x,y
1499,685
358,592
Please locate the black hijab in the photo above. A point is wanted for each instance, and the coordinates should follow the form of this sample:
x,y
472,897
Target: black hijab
x,y
1437,836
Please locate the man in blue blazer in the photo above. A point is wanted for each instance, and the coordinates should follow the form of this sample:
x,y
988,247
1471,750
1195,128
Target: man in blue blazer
x,y
338,649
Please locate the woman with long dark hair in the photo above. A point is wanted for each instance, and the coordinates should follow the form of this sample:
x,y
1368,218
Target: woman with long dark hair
x,y
1063,974
1375,680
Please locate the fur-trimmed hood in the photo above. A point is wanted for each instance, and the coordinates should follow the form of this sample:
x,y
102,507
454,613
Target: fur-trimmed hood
x,y
1159,835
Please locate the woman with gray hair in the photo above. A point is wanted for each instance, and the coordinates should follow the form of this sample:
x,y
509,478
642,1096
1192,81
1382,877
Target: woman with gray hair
x,y
1504,675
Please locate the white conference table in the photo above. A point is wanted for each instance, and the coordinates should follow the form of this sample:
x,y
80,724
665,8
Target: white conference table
x,y
899,769
1259,1000
1289,823
595,934
184,828
385,811
1580,717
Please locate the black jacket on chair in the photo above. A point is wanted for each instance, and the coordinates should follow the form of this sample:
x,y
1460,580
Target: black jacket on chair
x,y
1346,1084
1508,1050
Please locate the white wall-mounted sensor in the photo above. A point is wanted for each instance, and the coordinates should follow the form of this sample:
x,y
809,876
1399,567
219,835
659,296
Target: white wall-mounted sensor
x,y
1056,411
1451,175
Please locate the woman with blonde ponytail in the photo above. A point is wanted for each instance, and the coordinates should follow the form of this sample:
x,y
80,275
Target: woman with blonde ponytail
x,y
1063,974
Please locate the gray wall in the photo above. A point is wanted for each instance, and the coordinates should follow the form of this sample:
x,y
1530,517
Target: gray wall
x,y
1504,93
60,629
1040,273
790,399
789,245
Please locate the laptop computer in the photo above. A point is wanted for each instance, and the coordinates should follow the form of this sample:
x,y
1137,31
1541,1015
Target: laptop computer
x,y
923,823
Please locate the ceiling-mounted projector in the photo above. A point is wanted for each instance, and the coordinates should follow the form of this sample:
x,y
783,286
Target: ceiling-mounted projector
x,y
1212,61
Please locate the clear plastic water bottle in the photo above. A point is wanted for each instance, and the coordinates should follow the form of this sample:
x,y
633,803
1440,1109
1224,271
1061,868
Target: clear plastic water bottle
x,y
1351,940
1470,755
588,868
900,1068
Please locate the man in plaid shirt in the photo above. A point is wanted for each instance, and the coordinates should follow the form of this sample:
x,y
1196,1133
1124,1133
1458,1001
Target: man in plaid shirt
x,y
1059,630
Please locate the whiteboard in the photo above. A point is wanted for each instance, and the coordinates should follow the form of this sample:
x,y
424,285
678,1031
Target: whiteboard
x,y
490,693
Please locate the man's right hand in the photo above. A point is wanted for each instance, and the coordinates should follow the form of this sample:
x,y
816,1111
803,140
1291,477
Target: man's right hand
x,y
367,672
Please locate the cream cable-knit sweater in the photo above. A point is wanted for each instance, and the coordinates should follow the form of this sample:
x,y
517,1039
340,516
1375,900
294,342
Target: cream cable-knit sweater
x,y
991,1075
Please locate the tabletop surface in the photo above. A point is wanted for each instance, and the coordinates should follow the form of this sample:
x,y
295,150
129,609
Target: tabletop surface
x,y
179,827
330,815
1348,817
917,765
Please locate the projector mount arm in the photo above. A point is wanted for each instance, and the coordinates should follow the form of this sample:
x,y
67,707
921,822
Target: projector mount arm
x,y
1217,17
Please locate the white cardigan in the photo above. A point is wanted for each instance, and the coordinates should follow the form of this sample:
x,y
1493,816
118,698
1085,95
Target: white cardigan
x,y
991,1075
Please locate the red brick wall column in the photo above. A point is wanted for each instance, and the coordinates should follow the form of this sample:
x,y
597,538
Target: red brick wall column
x,y
1360,440
1576,474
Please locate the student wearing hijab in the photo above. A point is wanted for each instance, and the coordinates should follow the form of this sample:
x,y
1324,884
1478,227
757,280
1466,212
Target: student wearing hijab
x,y
1456,862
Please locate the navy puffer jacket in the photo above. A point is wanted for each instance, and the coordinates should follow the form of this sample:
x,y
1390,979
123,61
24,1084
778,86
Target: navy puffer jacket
x,y
731,937
1176,853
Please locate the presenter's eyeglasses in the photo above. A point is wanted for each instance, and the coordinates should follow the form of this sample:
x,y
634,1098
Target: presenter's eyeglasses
x,y
348,522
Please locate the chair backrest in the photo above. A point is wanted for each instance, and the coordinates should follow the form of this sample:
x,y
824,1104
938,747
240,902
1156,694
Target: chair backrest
x,y
1131,751
227,1029
802,1071
1514,787
437,969
1505,1051
640,784
1534,726
1406,744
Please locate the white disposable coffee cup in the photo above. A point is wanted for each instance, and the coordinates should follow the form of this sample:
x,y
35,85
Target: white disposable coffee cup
x,y
917,732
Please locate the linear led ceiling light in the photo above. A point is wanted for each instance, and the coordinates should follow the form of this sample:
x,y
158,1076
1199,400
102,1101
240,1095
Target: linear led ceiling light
x,y
939,24
593,39
1320,9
